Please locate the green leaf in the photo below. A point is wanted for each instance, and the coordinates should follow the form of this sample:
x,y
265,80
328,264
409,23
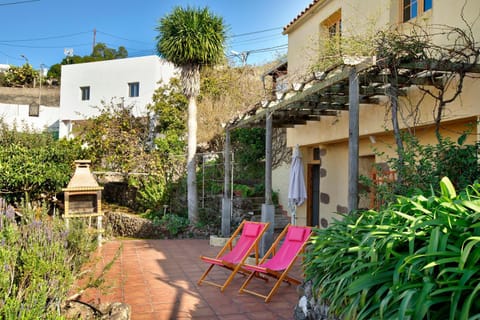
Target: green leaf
x,y
367,281
468,303
405,305
466,250
440,262
447,188
461,139
472,204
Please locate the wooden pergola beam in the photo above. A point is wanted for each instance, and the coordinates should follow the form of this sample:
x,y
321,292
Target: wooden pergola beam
x,y
435,65
331,90
301,96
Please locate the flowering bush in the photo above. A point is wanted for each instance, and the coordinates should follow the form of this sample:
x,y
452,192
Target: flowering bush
x,y
39,260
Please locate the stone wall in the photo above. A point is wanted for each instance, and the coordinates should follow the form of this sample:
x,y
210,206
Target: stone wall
x,y
129,225
25,96
308,308
121,224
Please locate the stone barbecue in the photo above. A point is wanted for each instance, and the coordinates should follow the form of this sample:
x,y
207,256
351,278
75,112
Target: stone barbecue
x,y
83,197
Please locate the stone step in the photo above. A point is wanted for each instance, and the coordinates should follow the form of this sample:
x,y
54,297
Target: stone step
x,y
280,220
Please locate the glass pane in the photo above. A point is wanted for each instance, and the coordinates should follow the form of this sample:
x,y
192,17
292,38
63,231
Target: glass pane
x,y
406,14
85,93
134,89
413,9
427,5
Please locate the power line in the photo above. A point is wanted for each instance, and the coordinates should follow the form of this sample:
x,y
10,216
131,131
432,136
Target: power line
x,y
254,32
256,39
283,46
17,2
29,42
9,56
118,37
263,50
42,47
48,37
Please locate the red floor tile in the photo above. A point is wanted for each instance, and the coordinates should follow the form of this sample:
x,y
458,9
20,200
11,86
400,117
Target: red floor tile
x,y
158,279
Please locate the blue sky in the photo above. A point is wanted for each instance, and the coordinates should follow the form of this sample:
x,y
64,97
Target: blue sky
x,y
40,30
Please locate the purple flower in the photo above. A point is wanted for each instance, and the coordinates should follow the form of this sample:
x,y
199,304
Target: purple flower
x,y
10,213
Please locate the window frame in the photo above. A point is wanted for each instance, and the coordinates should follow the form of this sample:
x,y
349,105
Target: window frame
x,y
333,24
134,89
85,93
421,6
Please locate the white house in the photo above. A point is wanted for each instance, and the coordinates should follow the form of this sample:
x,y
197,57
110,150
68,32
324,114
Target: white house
x,y
32,108
85,86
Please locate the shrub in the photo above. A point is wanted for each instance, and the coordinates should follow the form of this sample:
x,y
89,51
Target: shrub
x,y
20,76
424,166
150,192
174,223
40,259
416,259
249,146
32,163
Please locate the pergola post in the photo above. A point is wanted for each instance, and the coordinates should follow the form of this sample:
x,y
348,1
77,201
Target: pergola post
x,y
353,134
268,209
226,201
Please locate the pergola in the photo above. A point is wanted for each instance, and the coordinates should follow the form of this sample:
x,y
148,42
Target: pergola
x,y
340,88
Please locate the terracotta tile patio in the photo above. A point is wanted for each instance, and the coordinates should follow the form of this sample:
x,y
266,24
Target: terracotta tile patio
x,y
158,279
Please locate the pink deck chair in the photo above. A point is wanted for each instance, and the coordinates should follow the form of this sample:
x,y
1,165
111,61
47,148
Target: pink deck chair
x,y
279,259
233,256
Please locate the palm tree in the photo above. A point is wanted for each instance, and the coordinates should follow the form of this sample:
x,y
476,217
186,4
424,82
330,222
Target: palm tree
x,y
191,38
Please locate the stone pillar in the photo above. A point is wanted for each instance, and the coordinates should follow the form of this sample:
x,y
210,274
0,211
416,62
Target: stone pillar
x,y
353,134
268,209
226,201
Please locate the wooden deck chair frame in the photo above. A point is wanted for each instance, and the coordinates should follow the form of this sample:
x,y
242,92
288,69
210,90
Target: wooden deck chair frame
x,y
259,271
230,246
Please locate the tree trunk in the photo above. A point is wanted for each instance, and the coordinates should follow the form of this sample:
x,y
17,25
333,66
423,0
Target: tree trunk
x,y
190,77
191,161
438,119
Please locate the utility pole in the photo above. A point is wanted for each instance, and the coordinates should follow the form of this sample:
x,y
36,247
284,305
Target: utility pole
x,y
40,89
94,39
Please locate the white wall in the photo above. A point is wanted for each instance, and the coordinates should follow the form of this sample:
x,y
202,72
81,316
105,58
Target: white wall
x,y
17,115
109,80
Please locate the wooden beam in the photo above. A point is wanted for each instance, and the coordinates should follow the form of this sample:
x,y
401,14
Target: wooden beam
x,y
405,80
302,96
441,66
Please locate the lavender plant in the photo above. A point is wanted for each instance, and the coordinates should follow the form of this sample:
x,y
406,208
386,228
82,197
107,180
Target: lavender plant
x,y
39,261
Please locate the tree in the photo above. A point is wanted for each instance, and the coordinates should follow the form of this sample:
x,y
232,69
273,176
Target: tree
x,y
100,53
33,164
116,139
20,76
191,38
169,106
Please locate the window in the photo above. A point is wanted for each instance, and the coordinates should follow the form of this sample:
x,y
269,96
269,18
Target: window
x,y
410,9
333,24
335,29
133,89
33,109
330,34
85,93
413,8
427,5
